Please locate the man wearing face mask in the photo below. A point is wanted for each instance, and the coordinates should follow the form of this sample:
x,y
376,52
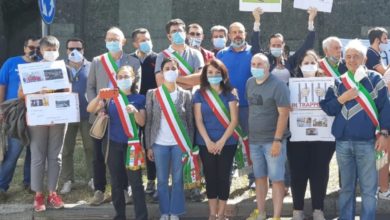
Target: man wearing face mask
x,y
9,84
378,43
190,60
79,69
98,78
218,38
332,64
269,107
147,57
283,65
195,37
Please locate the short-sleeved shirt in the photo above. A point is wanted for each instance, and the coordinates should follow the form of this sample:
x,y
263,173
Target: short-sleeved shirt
x,y
193,57
9,76
373,59
264,100
213,126
239,68
117,133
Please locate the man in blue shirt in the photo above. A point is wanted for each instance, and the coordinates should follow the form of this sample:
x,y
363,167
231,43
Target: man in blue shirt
x,y
9,85
361,127
378,43
79,69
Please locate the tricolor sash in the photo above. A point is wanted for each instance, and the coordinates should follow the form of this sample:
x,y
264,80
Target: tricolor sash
x,y
329,69
367,103
134,154
242,156
191,168
184,68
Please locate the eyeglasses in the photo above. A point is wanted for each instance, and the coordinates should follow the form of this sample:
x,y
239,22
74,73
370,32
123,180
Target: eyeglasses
x,y
195,34
32,47
75,48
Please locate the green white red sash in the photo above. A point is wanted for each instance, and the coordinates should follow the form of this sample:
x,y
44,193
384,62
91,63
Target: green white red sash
x,y
329,70
134,155
191,168
364,98
242,156
184,68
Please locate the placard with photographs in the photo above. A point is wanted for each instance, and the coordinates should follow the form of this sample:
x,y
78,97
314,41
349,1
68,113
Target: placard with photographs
x,y
38,75
52,108
306,93
310,125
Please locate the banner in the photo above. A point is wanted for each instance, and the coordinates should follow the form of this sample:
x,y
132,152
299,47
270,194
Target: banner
x,y
52,108
321,5
265,5
50,75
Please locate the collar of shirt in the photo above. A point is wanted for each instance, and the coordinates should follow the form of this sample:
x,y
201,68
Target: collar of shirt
x,y
142,59
170,49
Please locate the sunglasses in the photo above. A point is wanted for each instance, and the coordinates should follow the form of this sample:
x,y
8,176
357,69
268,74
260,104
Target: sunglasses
x,y
75,48
194,34
32,48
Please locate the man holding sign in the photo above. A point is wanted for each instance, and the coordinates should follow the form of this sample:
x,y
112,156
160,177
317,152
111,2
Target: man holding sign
x,y
362,120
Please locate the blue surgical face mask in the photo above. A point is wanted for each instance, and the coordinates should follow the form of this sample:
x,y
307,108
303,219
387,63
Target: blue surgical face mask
x,y
333,59
238,44
114,46
195,42
276,51
219,42
146,46
124,84
258,73
178,38
214,80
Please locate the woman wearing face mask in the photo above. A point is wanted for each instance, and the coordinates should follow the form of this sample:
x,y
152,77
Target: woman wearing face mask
x,y
309,160
214,135
118,141
46,144
169,117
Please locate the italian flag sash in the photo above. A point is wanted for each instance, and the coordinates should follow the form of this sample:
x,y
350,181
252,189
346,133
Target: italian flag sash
x,y
242,156
191,168
329,69
367,103
184,68
134,154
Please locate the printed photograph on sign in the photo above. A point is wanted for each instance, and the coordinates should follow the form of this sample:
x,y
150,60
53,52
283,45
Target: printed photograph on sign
x,y
321,5
39,102
265,5
53,74
32,77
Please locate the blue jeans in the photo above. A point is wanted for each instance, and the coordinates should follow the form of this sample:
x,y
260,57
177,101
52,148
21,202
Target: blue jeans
x,y
7,167
356,160
168,158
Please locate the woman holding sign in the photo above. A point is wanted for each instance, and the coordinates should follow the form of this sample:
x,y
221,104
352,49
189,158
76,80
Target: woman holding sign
x,y
126,109
169,133
309,160
216,117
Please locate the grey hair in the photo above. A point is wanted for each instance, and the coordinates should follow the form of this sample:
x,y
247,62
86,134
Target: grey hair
x,y
116,31
218,28
262,57
328,40
357,45
49,41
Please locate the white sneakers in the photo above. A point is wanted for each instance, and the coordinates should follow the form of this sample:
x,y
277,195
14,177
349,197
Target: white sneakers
x,y
384,195
298,215
318,215
166,217
174,217
67,187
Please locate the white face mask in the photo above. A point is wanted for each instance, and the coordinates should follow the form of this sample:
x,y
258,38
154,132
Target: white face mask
x,y
383,47
124,84
309,70
171,75
75,56
50,55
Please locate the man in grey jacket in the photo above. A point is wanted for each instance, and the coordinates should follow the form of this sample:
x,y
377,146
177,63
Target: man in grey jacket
x,y
98,79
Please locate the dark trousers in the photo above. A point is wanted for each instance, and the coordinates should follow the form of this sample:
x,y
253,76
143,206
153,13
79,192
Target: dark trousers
x,y
119,176
309,161
217,170
150,165
99,166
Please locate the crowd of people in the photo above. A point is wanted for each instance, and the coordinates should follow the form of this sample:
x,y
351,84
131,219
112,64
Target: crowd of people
x,y
187,112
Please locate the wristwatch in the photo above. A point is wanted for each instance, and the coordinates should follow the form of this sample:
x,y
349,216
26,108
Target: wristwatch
x,y
384,133
278,140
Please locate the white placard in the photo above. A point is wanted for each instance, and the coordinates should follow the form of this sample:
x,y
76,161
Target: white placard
x,y
265,5
310,125
306,93
35,76
52,108
321,5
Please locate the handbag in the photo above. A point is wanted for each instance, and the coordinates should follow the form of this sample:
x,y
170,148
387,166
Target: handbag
x,y
99,126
